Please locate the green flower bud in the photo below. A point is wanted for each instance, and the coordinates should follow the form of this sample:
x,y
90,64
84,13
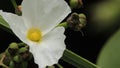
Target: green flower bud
x,y
73,3
76,21
76,4
13,48
22,45
17,59
82,20
23,50
11,65
18,10
24,53
81,15
13,45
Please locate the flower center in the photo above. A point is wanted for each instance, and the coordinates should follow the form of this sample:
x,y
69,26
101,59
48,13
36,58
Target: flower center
x,y
34,34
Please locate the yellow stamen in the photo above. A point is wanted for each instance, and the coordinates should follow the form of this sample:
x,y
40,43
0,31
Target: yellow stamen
x,y
34,34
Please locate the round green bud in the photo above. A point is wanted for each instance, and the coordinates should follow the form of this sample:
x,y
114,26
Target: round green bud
x,y
81,15
82,19
17,59
76,21
22,44
13,45
76,4
7,53
25,54
73,3
23,50
13,49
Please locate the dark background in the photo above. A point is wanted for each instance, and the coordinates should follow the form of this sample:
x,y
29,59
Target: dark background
x,y
87,46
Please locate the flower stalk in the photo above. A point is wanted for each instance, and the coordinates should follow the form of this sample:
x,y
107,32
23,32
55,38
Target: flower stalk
x,y
63,24
1,61
14,4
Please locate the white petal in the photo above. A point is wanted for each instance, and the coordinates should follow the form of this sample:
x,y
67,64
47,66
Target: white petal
x,y
16,24
45,14
51,48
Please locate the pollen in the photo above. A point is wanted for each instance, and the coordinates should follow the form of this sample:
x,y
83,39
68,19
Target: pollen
x,y
34,34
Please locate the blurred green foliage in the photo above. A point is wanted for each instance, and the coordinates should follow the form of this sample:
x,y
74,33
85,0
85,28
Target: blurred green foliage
x,y
110,54
106,15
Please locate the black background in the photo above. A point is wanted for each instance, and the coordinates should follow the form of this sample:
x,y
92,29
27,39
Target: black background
x,y
87,46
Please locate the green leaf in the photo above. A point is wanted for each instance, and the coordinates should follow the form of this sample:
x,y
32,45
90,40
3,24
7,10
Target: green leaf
x,y
3,22
4,25
77,60
110,54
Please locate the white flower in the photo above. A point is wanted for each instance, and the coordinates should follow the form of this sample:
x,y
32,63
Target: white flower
x,y
37,28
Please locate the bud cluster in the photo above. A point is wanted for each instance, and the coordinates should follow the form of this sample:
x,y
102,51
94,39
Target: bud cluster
x,y
16,55
76,21
75,4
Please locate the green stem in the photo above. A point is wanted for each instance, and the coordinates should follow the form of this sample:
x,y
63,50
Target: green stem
x,y
60,66
2,56
50,67
64,24
76,60
14,4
